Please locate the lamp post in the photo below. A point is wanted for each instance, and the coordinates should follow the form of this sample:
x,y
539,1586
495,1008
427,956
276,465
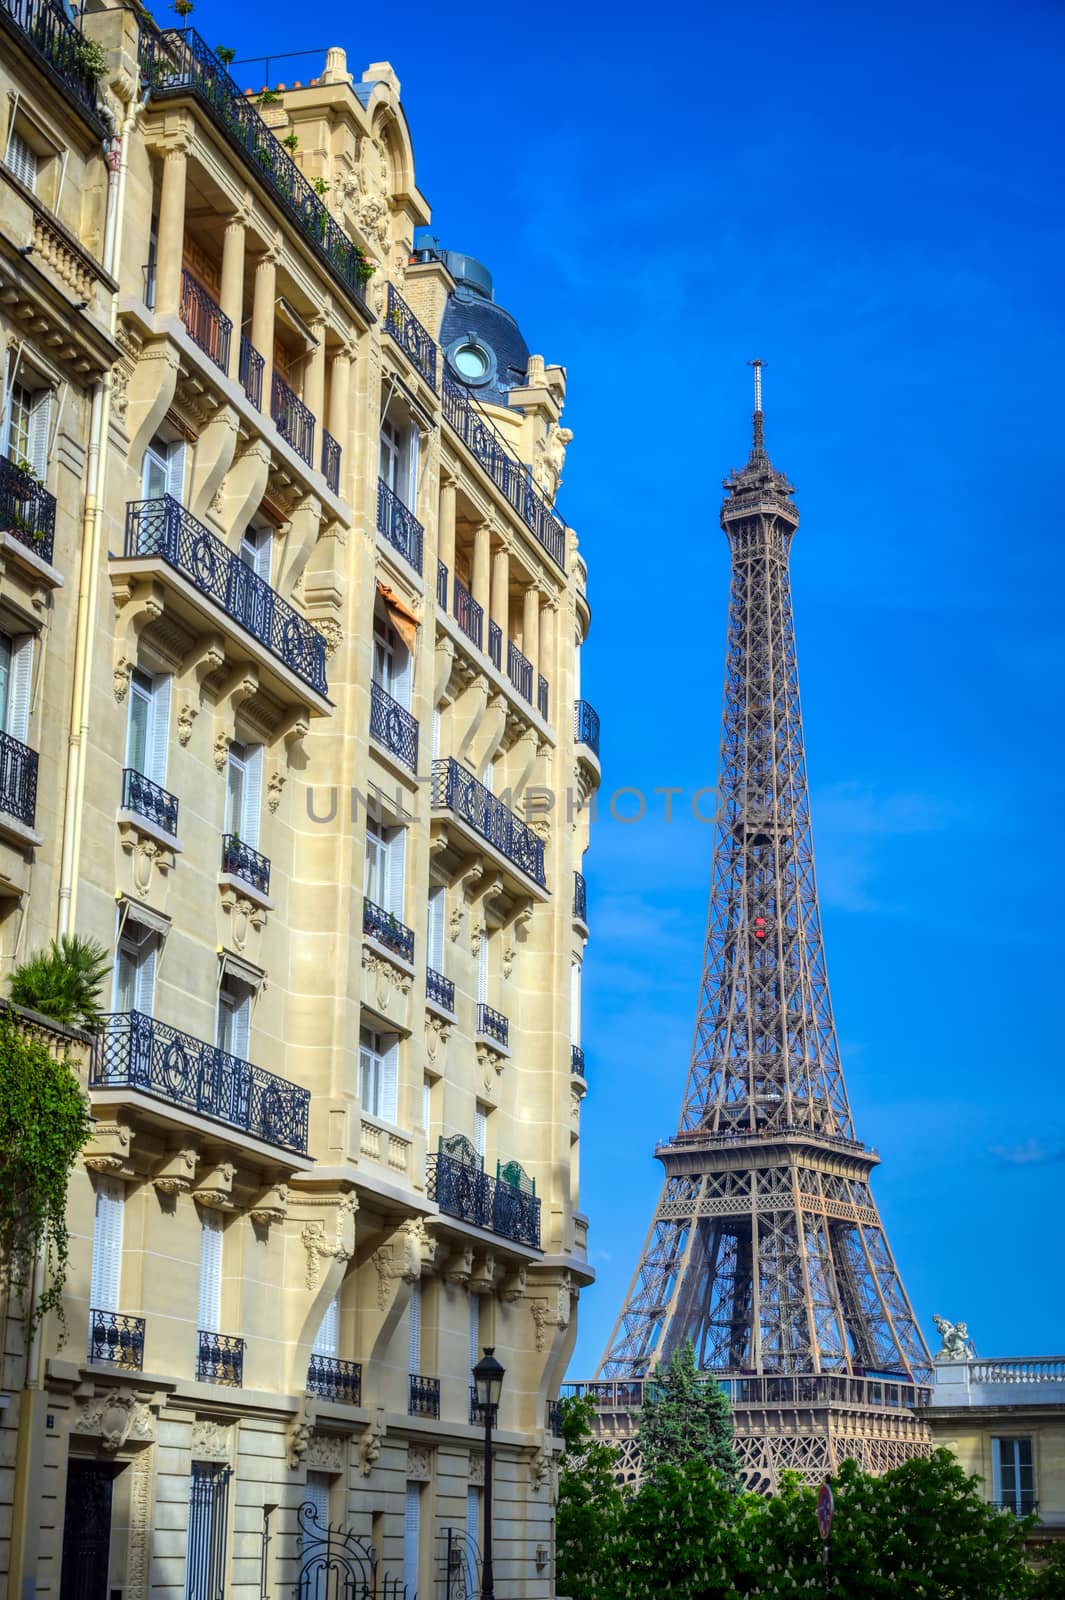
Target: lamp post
x,y
488,1378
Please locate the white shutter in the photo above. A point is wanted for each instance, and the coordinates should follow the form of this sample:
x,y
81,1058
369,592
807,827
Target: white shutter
x,y
106,1284
436,733
390,1080
412,469
475,1331
411,1537
253,795
395,871
328,1339
401,675
159,730
434,955
144,978
241,1039
175,470
575,1003
20,683
473,1519
482,968
155,473
39,431
427,1104
480,1131
414,1328
210,1272
318,1485
22,159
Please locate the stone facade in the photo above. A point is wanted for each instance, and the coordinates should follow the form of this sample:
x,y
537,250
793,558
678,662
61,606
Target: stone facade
x,y
298,671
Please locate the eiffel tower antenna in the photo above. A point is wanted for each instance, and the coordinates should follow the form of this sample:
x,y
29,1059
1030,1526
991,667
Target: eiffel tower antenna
x,y
767,1250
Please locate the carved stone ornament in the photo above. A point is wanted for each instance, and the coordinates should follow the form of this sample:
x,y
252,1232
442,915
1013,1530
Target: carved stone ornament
x,y
957,1346
412,1250
513,1286
455,921
176,1172
147,856
211,1440
437,1033
541,1471
490,1062
552,1313
477,927
245,915
116,1417
369,1445
297,1440
390,979
327,1452
419,1463
108,1150
332,633
319,1246
271,1206
459,1265
476,1468
215,1188
482,1278
274,785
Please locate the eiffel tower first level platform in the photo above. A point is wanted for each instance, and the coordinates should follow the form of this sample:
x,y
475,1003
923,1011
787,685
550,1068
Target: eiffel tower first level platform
x,y
767,1250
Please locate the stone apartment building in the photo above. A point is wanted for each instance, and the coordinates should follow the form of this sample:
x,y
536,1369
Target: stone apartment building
x,y
292,723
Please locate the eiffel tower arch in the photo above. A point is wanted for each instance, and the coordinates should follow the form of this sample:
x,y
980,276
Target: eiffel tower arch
x,y
766,1249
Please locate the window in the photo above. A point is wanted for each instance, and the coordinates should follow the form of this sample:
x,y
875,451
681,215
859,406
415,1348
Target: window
x,y
391,661
205,1562
147,735
151,265
256,551
28,427
414,1328
233,1026
378,1073
106,1282
21,159
327,1340
427,1103
135,958
435,941
244,788
16,678
1014,1474
385,866
319,1485
411,1536
398,461
210,1304
164,469
473,1523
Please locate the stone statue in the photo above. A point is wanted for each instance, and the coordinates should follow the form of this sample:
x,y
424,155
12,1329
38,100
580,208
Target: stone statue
x,y
957,1346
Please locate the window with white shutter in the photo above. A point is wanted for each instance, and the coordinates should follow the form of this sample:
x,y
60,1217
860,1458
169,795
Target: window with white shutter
x,y
159,729
475,1331
175,470
210,1305
106,1281
16,679
21,159
390,1080
427,1104
233,1023
395,873
28,426
319,1485
473,1525
327,1340
480,1130
435,941
375,866
437,721
371,1066
256,551
412,1536
413,445
155,478
133,984
482,968
414,1329
253,794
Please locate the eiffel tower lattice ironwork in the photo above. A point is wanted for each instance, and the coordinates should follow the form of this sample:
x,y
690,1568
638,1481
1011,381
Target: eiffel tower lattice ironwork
x,y
767,1250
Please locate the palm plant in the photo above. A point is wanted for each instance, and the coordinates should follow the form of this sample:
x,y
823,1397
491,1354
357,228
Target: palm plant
x,y
64,981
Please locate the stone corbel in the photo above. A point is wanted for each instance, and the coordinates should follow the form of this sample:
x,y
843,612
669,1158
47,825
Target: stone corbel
x,y
458,1264
443,664
240,684
513,1285
176,1171
471,707
437,1034
240,493
411,1252
369,1445
212,458
515,934
552,1312
320,1245
489,1063
290,734
464,881
150,393
489,733
301,537
215,1188
114,1417
108,1150
298,1433
138,602
207,656
270,1206
483,1276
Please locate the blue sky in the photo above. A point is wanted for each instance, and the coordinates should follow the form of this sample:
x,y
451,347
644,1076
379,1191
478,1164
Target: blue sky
x,y
872,205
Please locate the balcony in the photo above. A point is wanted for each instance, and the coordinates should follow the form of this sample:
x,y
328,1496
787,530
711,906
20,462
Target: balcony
x,y
331,461
414,340
424,1396
441,585
18,780
116,1340
576,1060
220,1359
580,899
60,50
163,528
469,614
586,726
294,422
239,859
206,322
27,510
506,1205
134,1051
492,1025
178,63
511,476
520,671
387,930
440,990
456,790
495,645
339,1381
542,697
149,800
554,1418
250,372
399,525
393,726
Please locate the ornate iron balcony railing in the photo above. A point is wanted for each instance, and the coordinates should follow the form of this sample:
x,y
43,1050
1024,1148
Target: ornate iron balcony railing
x,y
441,585
134,1051
178,62
294,420
116,1339
510,475
586,725
519,671
554,1418
27,510
469,614
424,1396
580,898
331,461
149,800
399,525
495,644
242,861
393,726
411,337
387,930
207,324
464,1191
492,1024
18,779
60,46
542,697
250,372
340,1381
458,791
220,1359
440,989
164,528
577,1060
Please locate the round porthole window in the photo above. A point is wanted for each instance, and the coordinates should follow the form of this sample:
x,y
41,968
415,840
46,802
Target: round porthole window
x,y
471,360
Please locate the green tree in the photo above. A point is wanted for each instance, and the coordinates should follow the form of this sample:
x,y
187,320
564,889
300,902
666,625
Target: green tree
x,y
589,1507
686,1416
1048,1579
677,1536
64,981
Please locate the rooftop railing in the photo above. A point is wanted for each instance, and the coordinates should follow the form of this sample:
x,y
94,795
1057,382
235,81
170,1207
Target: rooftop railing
x,y
393,726
411,337
464,1191
399,525
27,510
294,420
164,528
458,790
207,324
60,47
1018,1369
823,1388
134,1051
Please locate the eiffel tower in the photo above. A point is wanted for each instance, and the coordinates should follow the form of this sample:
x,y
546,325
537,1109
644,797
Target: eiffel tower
x,y
766,1249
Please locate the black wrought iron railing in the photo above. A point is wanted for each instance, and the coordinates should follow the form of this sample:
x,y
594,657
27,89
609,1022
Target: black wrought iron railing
x,y
580,899
178,62
18,779
411,337
164,528
250,372
220,1359
542,697
519,671
495,644
586,725
331,461
294,420
476,1414
576,1060
1024,1505
469,614
628,1394
149,800
135,1051
424,1396
387,930
439,989
510,475
332,1379
492,1024
399,525
441,585
458,791
554,1418
393,726
61,49
465,1191
116,1339
27,510
243,862
207,324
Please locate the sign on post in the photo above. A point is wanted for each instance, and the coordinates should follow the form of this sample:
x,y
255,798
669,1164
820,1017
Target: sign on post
x,y
826,1506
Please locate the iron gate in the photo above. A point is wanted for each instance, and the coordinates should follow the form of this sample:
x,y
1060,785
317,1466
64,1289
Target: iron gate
x,y
87,1530
337,1565
208,1509
459,1565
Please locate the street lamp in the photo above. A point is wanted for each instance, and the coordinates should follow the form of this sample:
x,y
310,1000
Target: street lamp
x,y
488,1378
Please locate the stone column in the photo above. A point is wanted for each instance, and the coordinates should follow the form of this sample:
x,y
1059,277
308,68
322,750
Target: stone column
x,y
530,633
547,651
314,388
171,232
262,321
501,593
482,555
233,288
340,397
446,537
